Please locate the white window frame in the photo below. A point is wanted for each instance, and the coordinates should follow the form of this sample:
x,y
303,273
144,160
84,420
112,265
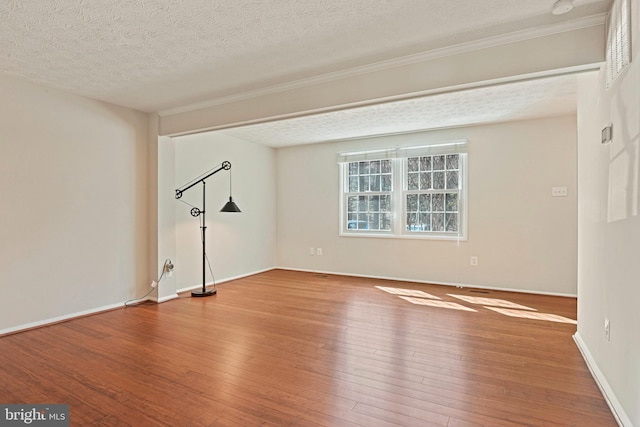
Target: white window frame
x,y
618,44
399,157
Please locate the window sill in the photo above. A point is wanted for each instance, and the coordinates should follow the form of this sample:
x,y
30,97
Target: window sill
x,y
407,236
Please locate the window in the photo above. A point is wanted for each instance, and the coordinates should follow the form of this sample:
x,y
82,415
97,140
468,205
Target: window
x,y
369,195
415,192
618,47
432,193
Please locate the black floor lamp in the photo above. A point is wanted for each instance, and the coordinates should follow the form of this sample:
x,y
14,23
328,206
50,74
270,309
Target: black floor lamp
x,y
230,206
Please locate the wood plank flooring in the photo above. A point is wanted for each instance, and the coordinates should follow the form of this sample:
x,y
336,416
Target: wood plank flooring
x,y
287,348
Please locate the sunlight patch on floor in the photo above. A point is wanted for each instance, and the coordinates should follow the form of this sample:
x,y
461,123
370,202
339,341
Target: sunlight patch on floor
x,y
440,304
505,307
408,292
532,315
492,302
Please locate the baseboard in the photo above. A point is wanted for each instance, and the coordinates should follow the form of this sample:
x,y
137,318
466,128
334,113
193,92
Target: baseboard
x,y
59,319
226,279
607,392
164,299
46,322
432,282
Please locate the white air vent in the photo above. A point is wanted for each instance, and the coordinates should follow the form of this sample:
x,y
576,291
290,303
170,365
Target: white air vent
x,y
618,40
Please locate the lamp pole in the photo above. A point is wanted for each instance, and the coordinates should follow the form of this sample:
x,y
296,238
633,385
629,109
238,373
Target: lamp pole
x,y
203,227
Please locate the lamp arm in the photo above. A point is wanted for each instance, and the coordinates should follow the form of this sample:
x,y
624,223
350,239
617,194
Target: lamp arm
x,y
223,166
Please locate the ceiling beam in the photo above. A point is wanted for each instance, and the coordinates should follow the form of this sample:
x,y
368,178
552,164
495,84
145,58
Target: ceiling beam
x,y
506,60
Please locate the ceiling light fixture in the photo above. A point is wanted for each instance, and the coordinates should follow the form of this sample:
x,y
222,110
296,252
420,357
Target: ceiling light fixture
x,y
562,6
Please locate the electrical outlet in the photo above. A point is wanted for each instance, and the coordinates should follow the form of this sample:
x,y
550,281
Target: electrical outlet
x,y
319,251
168,268
154,284
607,329
474,261
558,191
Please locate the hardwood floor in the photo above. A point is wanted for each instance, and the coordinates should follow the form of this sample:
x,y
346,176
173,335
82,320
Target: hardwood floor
x,y
288,348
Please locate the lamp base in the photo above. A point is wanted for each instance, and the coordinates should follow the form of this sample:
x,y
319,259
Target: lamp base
x,y
206,293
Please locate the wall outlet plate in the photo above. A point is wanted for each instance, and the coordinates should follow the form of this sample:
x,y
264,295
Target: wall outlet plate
x,y
559,192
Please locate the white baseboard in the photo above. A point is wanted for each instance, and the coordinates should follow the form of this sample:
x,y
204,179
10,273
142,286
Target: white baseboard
x,y
164,299
70,316
59,319
226,279
609,396
432,282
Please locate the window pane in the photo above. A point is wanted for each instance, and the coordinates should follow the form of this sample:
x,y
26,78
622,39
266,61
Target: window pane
x,y
386,183
364,183
437,201
438,180
412,220
353,168
352,204
437,223
412,202
413,164
425,180
438,163
413,181
385,203
451,222
452,179
452,202
353,184
374,203
362,221
385,221
375,167
425,163
425,221
374,181
385,166
425,203
364,168
352,221
374,221
452,161
362,203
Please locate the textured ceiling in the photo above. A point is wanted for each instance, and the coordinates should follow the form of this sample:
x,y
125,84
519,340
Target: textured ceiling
x,y
514,101
155,55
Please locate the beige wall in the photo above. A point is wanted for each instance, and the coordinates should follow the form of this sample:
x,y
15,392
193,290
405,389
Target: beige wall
x,y
609,232
73,176
524,239
237,244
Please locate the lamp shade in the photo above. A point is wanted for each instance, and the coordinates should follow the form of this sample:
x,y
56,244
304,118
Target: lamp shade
x,y
230,206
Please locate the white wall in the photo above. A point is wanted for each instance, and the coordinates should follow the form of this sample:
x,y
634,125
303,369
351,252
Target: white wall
x,y
73,234
238,244
609,232
524,238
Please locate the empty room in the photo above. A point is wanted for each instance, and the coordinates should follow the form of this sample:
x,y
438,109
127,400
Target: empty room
x,y
331,213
